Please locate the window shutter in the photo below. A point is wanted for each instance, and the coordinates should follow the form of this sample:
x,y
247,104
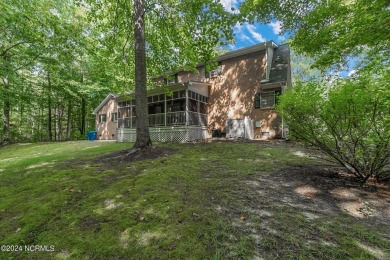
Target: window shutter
x,y
257,100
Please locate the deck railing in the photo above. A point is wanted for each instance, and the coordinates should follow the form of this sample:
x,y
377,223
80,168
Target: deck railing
x,y
157,120
176,118
195,118
172,118
126,122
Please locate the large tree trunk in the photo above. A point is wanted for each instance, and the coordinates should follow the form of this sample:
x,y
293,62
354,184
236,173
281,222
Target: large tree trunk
x,y
55,127
41,117
21,115
6,109
69,121
59,123
142,120
49,123
83,112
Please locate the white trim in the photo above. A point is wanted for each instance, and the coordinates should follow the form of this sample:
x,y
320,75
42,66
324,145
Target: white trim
x,y
251,49
166,134
109,96
266,92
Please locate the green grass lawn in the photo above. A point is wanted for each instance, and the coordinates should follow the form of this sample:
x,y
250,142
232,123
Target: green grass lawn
x,y
204,201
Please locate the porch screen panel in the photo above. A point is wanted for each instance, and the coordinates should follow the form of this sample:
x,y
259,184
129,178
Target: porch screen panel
x,y
203,108
176,105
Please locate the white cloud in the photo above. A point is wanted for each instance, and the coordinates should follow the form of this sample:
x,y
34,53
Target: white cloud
x,y
352,73
232,47
237,28
244,37
240,33
228,4
252,30
276,27
281,38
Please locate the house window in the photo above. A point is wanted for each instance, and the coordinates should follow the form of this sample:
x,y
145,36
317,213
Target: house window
x,y
171,80
214,73
114,117
266,99
102,118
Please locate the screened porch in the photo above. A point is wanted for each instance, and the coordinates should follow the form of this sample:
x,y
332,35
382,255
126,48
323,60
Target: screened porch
x,y
181,107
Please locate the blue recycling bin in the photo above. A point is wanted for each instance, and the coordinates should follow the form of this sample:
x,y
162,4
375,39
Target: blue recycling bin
x,y
92,135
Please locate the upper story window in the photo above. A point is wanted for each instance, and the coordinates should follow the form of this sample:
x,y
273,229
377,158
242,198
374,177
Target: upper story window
x,y
114,117
214,73
126,103
171,80
102,118
266,99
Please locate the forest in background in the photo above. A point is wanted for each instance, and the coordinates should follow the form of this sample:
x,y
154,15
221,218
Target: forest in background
x,y
55,68
60,59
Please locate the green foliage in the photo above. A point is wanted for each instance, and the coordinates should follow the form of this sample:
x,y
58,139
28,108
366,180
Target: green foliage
x,y
329,31
179,34
302,68
49,51
349,120
65,195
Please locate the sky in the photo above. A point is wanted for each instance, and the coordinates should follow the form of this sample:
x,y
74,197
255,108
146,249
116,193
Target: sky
x,y
251,34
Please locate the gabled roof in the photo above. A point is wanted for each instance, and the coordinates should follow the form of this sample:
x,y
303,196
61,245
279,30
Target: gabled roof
x,y
235,53
109,96
155,91
247,50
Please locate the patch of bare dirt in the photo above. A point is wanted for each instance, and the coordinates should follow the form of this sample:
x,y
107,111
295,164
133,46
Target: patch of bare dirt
x,y
317,191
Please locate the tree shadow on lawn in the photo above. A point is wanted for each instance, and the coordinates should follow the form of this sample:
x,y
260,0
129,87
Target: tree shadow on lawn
x,y
332,190
297,211
312,212
121,158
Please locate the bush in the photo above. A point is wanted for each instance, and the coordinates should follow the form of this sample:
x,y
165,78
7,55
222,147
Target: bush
x,y
349,121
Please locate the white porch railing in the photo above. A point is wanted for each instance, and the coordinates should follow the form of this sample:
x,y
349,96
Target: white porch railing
x,y
168,119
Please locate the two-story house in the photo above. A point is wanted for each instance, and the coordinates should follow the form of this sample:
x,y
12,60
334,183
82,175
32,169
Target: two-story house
x,y
237,100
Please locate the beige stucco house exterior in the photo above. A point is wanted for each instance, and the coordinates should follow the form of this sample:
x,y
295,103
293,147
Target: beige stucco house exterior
x,y
236,99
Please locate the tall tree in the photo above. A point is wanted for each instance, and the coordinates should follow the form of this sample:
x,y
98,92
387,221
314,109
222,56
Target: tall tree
x,y
142,121
329,31
24,29
167,35
348,118
18,42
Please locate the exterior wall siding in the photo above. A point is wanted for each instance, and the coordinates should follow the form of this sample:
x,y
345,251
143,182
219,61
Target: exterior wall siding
x,y
107,130
184,76
231,95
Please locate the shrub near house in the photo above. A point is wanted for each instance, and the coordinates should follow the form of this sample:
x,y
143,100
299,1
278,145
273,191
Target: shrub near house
x,y
349,121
